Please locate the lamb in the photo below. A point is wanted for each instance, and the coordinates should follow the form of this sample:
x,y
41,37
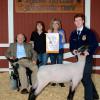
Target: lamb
x,y
59,73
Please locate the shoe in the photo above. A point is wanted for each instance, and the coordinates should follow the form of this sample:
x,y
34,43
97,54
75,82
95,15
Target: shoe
x,y
62,84
53,84
96,97
24,91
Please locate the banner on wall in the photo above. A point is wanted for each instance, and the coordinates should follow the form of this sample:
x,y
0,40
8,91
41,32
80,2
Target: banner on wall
x,y
49,6
52,42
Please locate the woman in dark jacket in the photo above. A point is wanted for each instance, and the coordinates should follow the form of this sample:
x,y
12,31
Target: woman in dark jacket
x,y
38,38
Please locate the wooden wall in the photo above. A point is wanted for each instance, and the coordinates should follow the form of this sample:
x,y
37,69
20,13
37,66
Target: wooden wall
x,y
95,25
3,29
25,23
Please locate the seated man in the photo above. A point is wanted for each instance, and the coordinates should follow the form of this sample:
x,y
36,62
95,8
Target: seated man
x,y
21,49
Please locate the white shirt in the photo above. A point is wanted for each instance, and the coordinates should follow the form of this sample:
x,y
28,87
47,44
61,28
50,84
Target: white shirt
x,y
79,29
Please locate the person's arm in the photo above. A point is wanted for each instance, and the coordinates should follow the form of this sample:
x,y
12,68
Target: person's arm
x,y
49,31
62,33
72,44
32,42
92,43
34,58
33,53
32,39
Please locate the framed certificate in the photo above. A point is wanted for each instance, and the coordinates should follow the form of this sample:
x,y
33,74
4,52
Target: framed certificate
x,y
52,42
49,6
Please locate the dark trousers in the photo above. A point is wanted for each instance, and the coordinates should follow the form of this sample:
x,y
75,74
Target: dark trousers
x,y
89,88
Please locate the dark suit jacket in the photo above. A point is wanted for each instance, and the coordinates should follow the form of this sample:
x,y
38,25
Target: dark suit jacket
x,y
11,51
87,37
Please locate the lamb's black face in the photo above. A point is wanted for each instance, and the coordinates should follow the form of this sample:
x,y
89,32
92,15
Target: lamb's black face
x,y
12,60
83,48
15,65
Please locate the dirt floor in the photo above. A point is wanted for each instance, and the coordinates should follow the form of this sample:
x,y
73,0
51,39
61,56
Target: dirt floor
x,y
49,93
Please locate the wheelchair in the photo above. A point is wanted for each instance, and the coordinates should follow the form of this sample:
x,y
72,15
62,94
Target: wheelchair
x,y
14,72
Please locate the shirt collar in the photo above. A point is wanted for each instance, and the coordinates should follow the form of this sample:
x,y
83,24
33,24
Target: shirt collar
x,y
80,29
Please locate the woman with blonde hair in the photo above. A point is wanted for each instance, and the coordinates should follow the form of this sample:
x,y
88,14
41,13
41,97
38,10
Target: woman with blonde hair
x,y
56,27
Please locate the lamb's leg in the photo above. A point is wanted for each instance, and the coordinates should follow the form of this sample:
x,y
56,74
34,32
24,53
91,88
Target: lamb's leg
x,y
18,84
31,94
74,84
40,87
71,94
34,92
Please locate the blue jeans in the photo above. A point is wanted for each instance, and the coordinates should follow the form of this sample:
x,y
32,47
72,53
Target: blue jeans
x,y
56,58
42,57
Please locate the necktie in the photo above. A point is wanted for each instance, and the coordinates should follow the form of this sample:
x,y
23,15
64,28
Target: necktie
x,y
78,33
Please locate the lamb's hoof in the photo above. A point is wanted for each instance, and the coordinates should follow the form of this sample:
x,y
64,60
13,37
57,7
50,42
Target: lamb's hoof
x,y
31,94
32,97
69,98
18,90
62,84
53,84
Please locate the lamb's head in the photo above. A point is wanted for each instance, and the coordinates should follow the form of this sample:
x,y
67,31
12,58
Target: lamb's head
x,y
82,52
14,62
82,55
83,48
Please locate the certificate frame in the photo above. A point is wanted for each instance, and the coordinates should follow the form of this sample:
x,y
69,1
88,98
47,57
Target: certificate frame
x,y
52,42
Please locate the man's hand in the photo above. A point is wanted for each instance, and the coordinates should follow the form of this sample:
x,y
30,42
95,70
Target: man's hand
x,y
34,62
75,52
86,52
49,30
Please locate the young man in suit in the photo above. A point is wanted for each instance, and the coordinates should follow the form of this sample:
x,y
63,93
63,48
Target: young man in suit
x,y
79,37
19,50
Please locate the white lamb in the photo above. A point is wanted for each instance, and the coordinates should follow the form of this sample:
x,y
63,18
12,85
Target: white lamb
x,y
59,73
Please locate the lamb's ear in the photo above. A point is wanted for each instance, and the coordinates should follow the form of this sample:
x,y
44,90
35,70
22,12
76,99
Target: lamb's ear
x,y
10,60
